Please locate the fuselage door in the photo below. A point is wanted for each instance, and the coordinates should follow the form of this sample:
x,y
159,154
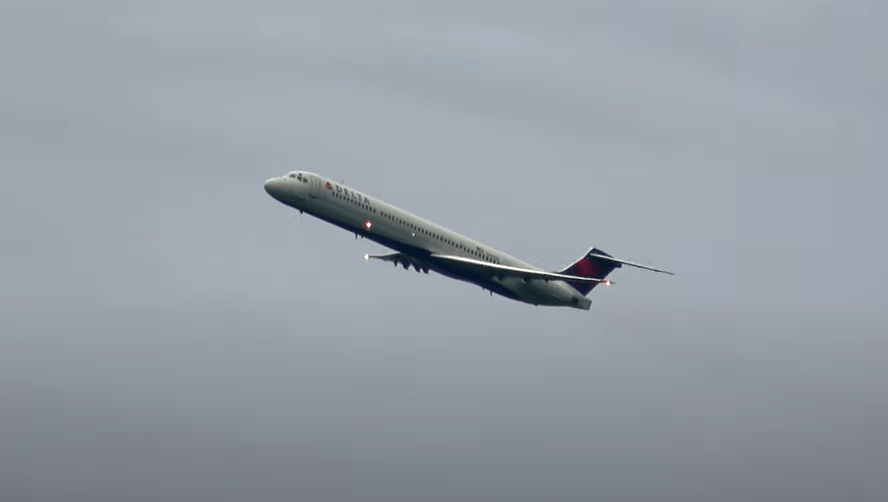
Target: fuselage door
x,y
314,189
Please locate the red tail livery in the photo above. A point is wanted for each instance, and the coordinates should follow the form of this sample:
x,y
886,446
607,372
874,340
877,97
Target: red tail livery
x,y
594,265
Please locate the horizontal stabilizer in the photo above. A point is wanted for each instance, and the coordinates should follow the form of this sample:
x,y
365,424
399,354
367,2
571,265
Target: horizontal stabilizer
x,y
596,263
604,257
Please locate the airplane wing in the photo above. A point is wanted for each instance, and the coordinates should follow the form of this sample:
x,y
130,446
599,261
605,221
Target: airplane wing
x,y
402,259
502,271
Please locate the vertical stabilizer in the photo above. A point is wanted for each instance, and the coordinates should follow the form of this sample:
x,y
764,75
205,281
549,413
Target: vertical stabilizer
x,y
594,264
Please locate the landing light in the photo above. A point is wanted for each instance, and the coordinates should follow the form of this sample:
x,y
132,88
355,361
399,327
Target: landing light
x,y
368,225
367,256
607,283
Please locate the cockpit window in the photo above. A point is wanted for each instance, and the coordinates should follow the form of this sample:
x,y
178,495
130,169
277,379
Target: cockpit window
x,y
292,175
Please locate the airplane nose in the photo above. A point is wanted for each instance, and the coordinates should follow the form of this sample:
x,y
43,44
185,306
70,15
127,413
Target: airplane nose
x,y
275,187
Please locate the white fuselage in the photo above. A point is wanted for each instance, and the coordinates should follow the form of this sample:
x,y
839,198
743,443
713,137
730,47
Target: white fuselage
x,y
407,233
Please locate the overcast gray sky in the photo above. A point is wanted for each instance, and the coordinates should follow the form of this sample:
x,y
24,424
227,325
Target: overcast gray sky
x,y
170,332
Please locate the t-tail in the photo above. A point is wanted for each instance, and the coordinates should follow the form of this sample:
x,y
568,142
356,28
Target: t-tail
x,y
597,264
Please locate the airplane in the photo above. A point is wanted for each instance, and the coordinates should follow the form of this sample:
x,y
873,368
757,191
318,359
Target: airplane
x,y
426,246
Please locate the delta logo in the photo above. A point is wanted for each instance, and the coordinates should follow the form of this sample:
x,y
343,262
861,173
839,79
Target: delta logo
x,y
349,193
